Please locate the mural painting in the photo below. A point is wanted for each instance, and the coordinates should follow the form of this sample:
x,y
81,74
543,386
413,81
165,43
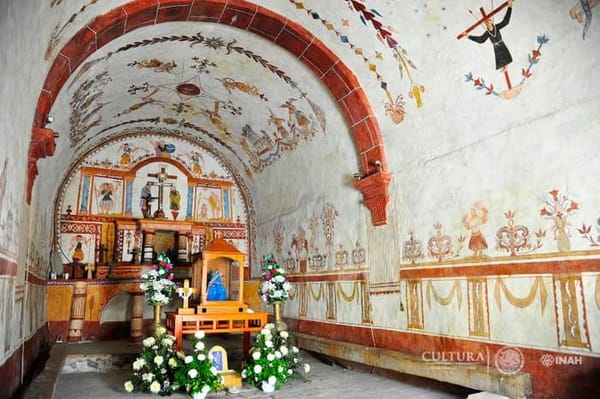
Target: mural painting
x,y
502,55
195,87
394,106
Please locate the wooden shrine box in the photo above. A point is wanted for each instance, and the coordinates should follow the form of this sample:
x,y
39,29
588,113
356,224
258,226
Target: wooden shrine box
x,y
221,257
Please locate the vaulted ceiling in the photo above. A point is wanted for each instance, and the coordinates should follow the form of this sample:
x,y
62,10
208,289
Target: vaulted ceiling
x,y
240,80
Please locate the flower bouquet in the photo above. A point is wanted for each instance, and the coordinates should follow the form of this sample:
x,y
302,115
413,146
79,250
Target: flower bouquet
x,y
158,284
197,375
275,287
273,360
154,368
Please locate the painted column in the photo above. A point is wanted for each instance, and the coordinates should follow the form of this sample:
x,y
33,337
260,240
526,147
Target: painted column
x,y
190,204
129,197
137,316
77,311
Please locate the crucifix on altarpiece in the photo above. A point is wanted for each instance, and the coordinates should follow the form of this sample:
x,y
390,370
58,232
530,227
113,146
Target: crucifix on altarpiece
x,y
162,177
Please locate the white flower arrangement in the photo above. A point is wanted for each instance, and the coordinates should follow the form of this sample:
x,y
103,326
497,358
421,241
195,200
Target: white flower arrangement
x,y
158,285
275,286
154,368
197,373
273,359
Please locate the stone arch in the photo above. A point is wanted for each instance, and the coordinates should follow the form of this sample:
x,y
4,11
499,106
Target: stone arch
x,y
244,15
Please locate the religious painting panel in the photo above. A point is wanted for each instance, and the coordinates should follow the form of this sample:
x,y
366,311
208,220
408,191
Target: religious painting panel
x,y
212,203
79,247
106,195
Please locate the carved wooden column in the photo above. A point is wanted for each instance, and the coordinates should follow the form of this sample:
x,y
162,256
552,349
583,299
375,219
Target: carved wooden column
x,y
137,316
182,248
77,311
148,254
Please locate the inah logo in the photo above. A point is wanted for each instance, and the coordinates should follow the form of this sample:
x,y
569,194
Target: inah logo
x,y
547,360
509,360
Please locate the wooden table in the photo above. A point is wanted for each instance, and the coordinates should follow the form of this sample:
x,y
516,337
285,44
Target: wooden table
x,y
213,323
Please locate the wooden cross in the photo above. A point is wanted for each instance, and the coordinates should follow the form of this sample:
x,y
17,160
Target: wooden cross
x,y
161,176
90,270
484,17
186,292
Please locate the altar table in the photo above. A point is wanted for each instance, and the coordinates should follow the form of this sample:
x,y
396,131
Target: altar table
x,y
211,323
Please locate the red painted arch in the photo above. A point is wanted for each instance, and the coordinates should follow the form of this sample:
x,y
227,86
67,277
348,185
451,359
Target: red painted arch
x,y
309,50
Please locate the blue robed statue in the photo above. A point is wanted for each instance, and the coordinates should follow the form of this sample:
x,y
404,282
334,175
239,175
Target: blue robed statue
x,y
216,290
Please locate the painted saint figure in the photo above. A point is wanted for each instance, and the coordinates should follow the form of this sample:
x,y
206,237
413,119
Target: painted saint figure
x,y
174,199
76,249
474,221
105,197
216,290
492,32
145,199
174,202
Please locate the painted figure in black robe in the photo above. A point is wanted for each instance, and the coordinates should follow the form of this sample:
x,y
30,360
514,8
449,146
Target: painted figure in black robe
x,y
492,32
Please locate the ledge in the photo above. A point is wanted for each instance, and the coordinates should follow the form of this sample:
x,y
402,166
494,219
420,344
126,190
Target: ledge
x,y
474,376
504,267
44,384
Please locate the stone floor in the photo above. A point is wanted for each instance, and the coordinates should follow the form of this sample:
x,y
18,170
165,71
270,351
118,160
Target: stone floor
x,y
99,369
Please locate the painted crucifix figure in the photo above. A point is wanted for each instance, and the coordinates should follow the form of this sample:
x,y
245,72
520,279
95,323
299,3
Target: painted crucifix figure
x,y
492,32
162,177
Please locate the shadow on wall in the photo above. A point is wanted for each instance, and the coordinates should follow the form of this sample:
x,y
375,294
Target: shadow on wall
x,y
583,385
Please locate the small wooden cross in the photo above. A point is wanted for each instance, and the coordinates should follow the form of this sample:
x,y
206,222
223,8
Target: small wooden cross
x,y
186,292
484,16
90,270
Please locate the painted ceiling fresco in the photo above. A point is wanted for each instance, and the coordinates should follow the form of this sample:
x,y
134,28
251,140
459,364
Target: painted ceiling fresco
x,y
206,82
